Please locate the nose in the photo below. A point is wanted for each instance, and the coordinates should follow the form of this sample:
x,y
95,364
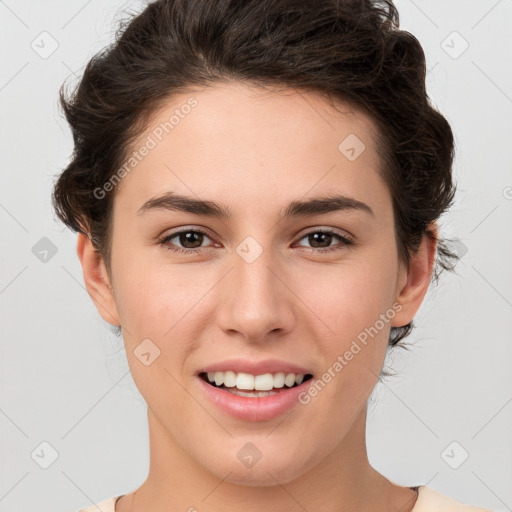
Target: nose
x,y
255,301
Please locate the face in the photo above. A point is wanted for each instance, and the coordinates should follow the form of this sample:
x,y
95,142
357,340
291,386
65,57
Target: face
x,y
303,286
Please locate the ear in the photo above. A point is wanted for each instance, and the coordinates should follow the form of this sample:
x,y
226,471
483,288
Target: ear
x,y
97,280
413,283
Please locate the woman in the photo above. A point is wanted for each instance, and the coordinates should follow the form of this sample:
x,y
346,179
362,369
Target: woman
x,y
255,186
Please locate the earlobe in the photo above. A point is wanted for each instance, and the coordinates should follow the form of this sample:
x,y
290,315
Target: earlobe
x,y
413,283
96,280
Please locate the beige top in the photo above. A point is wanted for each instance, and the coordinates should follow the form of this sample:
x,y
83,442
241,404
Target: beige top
x,y
428,501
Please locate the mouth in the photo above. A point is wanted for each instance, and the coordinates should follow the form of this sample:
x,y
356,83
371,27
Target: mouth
x,y
254,398
280,384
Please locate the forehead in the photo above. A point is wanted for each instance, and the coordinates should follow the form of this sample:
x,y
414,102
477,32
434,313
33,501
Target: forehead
x,y
239,140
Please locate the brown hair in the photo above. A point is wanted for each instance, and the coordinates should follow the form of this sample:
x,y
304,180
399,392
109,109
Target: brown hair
x,y
349,50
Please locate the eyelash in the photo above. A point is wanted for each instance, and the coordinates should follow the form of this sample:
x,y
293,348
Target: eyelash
x,y
165,241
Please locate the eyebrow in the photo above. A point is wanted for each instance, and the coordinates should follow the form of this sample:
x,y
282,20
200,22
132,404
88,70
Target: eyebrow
x,y
307,208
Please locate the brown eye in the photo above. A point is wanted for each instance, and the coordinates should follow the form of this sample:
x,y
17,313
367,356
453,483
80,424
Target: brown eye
x,y
190,239
185,241
320,241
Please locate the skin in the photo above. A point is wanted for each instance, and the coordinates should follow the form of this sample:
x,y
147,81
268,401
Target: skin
x,y
255,151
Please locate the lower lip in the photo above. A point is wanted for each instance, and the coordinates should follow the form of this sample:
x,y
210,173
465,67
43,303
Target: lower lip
x,y
254,408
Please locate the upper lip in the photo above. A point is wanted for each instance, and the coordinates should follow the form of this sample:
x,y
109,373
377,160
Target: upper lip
x,y
254,367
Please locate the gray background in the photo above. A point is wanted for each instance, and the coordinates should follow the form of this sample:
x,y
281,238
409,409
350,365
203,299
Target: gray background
x,y
64,377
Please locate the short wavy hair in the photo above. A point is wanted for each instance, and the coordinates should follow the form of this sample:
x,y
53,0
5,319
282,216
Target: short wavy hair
x,y
346,50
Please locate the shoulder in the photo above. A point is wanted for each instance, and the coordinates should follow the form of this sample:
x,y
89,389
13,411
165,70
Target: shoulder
x,y
107,505
430,500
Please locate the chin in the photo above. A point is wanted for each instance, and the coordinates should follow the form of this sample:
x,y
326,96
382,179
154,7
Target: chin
x,y
265,471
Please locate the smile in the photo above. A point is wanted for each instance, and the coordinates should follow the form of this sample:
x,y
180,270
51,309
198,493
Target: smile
x,y
241,381
253,397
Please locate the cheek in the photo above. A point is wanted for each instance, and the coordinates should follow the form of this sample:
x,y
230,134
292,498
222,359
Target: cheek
x,y
353,308
348,299
153,298
353,311
163,304
156,306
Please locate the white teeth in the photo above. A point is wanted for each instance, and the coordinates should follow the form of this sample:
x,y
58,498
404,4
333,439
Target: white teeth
x,y
246,381
253,394
279,380
230,379
289,380
264,382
